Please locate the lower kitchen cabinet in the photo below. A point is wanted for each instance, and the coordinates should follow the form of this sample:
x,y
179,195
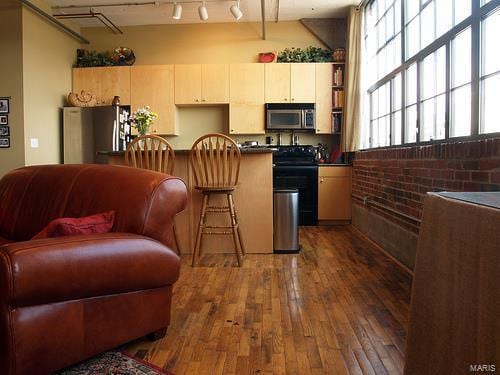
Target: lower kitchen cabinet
x,y
334,193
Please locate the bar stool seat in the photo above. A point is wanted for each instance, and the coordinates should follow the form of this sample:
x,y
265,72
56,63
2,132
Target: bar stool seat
x,y
215,161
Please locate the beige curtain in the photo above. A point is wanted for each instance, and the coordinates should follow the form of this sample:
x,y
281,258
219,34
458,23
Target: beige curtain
x,y
351,133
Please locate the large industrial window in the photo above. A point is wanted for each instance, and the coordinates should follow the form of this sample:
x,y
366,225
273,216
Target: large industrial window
x,y
432,70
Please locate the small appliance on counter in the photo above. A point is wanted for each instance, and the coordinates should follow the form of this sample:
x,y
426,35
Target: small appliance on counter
x,y
87,130
290,117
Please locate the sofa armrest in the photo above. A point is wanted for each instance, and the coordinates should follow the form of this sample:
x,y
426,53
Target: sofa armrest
x,y
75,267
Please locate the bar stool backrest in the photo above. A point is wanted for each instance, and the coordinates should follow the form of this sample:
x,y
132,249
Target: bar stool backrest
x,y
215,160
151,152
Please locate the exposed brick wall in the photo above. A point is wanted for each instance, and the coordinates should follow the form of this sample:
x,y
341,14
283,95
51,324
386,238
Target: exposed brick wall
x,y
399,177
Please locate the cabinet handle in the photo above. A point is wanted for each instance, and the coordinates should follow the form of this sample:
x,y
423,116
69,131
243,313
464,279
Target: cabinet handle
x,y
286,99
293,99
204,100
155,131
321,181
197,100
232,130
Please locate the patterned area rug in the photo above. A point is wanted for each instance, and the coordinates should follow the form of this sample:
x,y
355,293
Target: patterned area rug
x,y
114,363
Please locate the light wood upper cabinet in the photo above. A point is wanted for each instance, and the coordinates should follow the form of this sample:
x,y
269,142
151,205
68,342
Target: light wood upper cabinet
x,y
246,83
290,83
215,83
104,82
302,83
324,81
277,83
334,193
188,84
153,85
246,119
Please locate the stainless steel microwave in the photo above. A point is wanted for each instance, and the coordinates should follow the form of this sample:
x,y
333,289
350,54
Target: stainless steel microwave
x,y
293,117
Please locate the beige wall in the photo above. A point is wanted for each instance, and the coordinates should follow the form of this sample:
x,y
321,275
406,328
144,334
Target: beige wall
x,y
202,43
11,81
48,55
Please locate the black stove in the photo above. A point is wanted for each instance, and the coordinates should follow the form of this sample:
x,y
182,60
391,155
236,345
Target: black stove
x,y
295,167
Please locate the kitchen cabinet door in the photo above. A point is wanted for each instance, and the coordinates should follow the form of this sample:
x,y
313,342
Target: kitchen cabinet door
x,y
153,85
246,83
302,83
87,79
115,81
246,119
215,83
188,84
334,193
324,81
277,84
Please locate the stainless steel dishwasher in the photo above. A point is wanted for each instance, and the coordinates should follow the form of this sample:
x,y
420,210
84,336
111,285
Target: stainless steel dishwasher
x,y
286,221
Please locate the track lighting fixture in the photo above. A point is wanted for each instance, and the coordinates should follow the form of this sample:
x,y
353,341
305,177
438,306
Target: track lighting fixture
x,y
177,11
203,12
236,11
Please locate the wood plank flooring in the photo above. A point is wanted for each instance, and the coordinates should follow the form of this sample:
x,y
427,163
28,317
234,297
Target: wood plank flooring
x,y
340,307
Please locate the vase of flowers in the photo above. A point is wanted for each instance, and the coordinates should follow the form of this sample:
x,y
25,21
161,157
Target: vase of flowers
x,y
142,119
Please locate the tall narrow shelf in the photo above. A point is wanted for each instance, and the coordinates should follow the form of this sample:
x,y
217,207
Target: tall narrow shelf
x,y
338,97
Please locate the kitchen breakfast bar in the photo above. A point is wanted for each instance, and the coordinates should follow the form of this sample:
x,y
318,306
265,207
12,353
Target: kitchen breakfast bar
x,y
253,199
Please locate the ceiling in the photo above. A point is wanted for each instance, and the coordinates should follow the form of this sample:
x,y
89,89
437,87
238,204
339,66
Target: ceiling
x,y
218,10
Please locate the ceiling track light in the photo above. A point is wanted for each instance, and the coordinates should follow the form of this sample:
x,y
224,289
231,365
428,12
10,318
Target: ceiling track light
x,y
203,12
236,11
177,11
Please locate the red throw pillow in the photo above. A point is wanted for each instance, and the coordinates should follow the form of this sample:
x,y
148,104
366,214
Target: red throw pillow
x,y
67,226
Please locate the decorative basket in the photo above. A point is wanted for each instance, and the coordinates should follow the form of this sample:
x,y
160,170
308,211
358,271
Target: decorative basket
x,y
267,57
84,99
338,54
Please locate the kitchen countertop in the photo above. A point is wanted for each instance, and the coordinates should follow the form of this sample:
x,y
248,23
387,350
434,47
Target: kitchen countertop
x,y
185,151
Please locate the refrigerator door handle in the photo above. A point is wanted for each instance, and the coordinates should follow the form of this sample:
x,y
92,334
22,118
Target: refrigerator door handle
x,y
115,136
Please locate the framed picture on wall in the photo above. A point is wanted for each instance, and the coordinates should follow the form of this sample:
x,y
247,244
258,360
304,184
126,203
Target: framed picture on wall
x,y
4,120
4,105
4,142
4,131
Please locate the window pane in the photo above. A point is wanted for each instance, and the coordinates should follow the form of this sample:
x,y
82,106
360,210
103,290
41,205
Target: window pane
x,y
375,105
396,128
411,85
383,100
490,30
397,16
411,124
396,93
413,37
461,58
389,27
444,14
433,75
382,63
440,117
490,114
427,120
484,2
384,131
462,10
460,112
411,9
427,26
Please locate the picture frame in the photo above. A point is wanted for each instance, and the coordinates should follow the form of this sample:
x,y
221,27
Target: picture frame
x,y
4,131
4,120
4,105
4,142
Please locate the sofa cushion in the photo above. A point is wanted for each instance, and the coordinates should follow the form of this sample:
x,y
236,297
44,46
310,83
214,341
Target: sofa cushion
x,y
4,241
66,268
67,226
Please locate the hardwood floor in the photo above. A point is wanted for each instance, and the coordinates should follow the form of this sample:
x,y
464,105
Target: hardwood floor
x,y
339,307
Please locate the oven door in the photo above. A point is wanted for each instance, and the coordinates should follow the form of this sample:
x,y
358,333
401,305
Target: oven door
x,y
284,119
305,179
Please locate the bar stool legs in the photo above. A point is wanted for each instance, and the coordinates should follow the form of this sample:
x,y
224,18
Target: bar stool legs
x,y
233,230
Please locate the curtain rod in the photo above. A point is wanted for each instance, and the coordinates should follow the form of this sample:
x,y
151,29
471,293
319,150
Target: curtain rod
x,y
59,24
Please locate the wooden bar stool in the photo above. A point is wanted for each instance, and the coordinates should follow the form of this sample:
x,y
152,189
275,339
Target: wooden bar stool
x,y
215,161
156,154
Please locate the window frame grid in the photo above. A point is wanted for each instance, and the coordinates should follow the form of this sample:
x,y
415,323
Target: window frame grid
x,y
478,13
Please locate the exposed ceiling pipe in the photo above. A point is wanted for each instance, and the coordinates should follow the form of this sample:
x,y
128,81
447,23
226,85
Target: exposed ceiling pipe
x,y
105,5
277,13
263,12
100,16
51,19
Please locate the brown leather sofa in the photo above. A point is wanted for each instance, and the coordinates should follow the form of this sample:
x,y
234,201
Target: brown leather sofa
x,y
66,299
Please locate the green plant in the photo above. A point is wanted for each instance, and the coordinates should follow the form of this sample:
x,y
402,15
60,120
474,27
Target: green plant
x,y
309,54
87,59
142,119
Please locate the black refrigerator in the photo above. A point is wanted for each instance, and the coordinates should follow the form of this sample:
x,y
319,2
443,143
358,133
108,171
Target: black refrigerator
x,y
87,130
